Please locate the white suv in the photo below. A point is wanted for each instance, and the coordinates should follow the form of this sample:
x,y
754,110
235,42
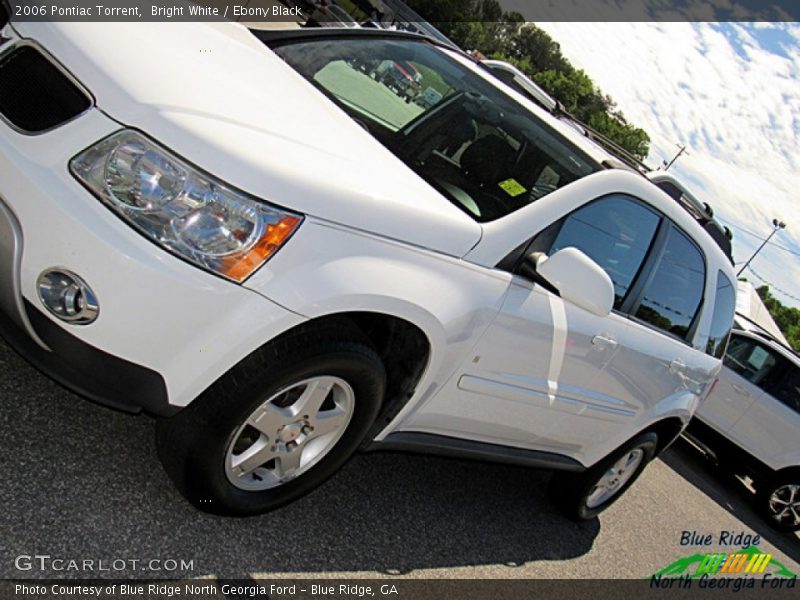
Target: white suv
x,y
751,422
248,236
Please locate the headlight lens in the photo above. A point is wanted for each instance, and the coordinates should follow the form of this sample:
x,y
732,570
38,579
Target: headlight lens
x,y
186,211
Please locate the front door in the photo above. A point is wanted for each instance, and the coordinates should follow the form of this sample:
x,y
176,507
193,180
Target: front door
x,y
538,377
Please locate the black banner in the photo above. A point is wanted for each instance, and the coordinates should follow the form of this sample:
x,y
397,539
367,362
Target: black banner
x,y
405,589
299,11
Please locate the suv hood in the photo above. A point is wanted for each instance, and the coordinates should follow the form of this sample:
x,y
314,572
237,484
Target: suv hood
x,y
216,95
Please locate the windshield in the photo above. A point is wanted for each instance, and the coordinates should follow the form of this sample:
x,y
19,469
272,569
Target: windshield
x,y
485,152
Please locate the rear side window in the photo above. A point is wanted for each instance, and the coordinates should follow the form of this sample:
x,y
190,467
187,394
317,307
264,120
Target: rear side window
x,y
674,293
787,388
616,232
722,320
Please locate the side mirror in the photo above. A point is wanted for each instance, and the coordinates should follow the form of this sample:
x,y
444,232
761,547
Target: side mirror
x,y
578,279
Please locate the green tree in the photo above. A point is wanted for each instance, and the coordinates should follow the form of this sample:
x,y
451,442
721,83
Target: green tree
x,y
613,125
482,25
571,88
539,48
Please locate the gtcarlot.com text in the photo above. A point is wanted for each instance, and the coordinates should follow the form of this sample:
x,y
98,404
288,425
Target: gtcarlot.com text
x,y
46,562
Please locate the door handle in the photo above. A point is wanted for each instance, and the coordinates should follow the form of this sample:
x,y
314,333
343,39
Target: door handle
x,y
677,366
739,389
601,342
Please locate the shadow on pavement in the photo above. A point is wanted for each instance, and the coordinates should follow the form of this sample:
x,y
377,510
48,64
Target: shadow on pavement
x,y
83,482
727,490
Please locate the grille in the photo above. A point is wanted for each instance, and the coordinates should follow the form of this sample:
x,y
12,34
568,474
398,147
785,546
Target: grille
x,y
34,94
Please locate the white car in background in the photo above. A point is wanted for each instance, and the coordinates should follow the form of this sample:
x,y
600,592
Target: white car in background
x,y
511,75
751,421
284,261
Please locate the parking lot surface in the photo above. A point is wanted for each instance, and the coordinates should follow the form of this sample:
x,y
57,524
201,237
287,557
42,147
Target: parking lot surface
x,y
83,482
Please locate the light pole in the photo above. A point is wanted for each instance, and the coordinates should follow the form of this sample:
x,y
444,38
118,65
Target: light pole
x,y
667,165
776,225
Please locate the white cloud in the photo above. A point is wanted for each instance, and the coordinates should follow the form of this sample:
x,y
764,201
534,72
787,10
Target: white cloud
x,y
738,112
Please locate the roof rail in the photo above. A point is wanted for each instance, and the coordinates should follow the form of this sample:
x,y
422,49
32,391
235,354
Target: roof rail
x,y
277,36
609,145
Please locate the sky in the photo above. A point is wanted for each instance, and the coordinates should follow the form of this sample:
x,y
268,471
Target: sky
x,y
729,92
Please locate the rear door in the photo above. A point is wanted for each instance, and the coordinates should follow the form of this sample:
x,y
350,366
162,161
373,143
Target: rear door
x,y
749,365
656,359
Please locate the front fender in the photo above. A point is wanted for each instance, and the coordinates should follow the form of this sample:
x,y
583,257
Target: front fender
x,y
327,269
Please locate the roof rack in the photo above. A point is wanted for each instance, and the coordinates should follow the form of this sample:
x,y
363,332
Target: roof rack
x,y
278,36
608,144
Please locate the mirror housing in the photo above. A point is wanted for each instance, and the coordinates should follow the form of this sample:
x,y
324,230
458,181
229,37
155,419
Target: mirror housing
x,y
578,279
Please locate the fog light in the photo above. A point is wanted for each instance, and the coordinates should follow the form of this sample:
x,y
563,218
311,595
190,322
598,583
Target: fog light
x,y
68,297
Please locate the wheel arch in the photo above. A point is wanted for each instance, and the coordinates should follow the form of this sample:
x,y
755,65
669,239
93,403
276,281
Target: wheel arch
x,y
404,347
793,471
667,431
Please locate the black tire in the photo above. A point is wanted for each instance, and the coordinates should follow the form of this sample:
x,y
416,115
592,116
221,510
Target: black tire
x,y
767,509
193,444
570,492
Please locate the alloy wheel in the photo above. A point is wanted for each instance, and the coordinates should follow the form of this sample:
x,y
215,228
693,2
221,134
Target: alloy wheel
x,y
615,478
289,433
784,504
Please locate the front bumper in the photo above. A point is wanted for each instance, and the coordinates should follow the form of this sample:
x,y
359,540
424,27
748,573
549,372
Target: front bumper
x,y
87,371
11,303
166,330
94,374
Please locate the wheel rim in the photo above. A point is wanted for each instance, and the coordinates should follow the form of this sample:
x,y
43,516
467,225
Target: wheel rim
x,y
784,504
614,478
289,433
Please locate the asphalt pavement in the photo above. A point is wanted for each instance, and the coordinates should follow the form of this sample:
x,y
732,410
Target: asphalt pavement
x,y
81,482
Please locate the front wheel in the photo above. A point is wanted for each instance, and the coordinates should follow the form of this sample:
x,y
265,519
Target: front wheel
x,y
276,426
779,502
582,496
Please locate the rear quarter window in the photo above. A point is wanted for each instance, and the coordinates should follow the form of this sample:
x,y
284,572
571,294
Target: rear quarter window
x,y
722,319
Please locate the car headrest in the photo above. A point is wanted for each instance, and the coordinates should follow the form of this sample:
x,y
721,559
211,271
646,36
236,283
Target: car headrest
x,y
487,158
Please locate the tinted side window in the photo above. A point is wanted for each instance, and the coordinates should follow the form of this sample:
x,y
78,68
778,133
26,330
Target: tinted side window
x,y
616,233
752,360
787,388
674,292
722,320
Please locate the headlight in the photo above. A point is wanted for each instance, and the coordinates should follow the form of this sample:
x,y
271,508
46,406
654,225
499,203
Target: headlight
x,y
188,212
